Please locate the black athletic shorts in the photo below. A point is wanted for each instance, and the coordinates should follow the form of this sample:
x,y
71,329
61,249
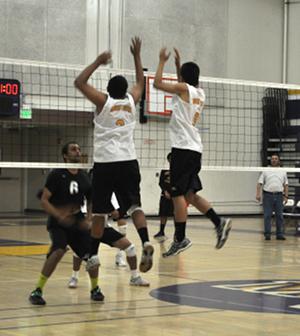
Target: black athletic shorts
x,y
110,236
123,178
53,222
166,208
185,167
78,239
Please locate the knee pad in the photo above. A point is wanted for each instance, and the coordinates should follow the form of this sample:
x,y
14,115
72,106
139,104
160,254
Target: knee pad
x,y
133,209
122,229
130,251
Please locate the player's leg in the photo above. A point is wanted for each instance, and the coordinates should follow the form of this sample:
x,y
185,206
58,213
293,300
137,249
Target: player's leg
x,y
115,239
160,235
180,171
56,252
73,282
129,190
118,215
101,206
222,225
166,210
181,242
79,242
122,228
139,220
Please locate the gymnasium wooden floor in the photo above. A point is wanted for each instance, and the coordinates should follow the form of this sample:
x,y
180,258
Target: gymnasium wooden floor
x,y
250,287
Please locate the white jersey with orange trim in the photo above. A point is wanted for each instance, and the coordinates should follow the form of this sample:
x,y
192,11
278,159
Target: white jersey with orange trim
x,y
113,130
185,115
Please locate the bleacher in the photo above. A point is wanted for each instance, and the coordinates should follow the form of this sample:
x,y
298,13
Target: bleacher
x,y
281,134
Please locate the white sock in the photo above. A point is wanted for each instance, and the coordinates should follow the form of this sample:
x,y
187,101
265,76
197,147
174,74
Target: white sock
x,y
75,274
134,273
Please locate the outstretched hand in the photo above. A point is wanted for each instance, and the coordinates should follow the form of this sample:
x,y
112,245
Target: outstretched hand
x,y
177,58
104,58
135,46
163,55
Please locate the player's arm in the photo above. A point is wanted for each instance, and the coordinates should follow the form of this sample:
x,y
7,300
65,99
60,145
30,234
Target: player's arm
x,y
63,216
177,64
47,206
81,82
138,88
177,88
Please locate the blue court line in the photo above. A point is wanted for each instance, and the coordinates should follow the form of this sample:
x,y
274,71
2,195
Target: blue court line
x,y
9,242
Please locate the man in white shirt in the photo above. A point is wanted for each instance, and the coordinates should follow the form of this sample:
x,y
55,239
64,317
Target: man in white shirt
x,y
116,168
273,186
187,104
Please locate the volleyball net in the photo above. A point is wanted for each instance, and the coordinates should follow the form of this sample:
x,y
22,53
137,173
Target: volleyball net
x,y
242,123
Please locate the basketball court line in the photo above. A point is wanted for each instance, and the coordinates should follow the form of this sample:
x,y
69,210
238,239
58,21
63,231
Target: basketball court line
x,y
110,319
90,303
163,306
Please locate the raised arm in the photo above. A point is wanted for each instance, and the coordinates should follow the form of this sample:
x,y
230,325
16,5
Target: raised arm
x,y
177,64
138,88
81,82
178,88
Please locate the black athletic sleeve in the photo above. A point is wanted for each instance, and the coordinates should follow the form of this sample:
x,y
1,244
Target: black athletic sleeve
x,y
53,181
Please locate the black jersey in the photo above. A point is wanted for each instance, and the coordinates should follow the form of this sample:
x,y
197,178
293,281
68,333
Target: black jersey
x,y
164,181
67,188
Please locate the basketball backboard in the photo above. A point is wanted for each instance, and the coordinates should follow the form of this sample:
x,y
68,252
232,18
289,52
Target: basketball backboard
x,y
158,103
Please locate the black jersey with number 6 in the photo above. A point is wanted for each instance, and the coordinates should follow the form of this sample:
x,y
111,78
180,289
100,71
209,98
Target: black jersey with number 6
x,y
67,188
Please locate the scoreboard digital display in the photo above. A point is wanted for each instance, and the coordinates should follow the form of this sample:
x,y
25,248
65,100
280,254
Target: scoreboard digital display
x,y
9,97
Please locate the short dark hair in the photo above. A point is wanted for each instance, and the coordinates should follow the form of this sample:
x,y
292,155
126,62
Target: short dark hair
x,y
117,87
65,148
169,156
275,154
190,73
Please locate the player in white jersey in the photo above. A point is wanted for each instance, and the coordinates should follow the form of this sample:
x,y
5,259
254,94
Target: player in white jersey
x,y
116,168
187,104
